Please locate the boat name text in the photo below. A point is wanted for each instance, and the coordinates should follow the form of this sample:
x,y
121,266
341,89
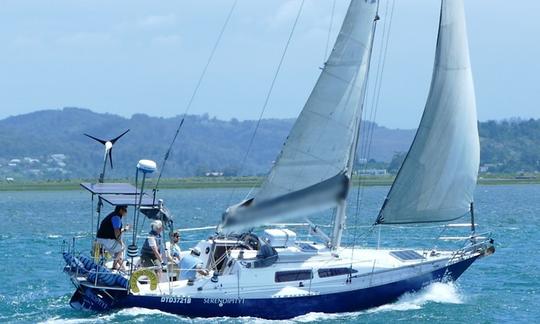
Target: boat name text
x,y
176,300
222,301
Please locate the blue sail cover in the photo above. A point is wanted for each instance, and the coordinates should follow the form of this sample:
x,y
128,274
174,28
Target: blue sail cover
x,y
317,197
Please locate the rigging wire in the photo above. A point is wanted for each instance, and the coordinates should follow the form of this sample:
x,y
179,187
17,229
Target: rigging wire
x,y
268,94
378,87
194,93
329,31
355,232
368,133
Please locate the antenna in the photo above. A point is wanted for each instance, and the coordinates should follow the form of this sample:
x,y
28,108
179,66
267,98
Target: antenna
x,y
108,151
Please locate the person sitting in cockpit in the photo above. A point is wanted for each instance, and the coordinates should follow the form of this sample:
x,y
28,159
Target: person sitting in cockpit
x,y
190,265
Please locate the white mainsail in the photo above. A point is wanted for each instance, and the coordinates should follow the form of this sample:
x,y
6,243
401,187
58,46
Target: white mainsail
x,y
317,150
437,179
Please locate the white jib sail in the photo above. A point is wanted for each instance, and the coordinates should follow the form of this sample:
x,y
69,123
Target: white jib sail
x,y
318,146
437,179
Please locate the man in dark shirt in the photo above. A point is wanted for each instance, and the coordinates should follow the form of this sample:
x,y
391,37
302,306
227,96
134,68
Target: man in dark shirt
x,y
109,234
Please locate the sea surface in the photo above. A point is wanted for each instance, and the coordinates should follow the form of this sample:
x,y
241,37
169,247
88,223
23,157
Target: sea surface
x,y
502,288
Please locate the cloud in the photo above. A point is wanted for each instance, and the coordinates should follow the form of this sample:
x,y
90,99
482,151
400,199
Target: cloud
x,y
156,21
26,42
167,39
85,38
314,19
285,13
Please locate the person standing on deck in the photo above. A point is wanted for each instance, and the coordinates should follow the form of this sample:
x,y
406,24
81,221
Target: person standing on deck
x,y
173,254
109,235
151,250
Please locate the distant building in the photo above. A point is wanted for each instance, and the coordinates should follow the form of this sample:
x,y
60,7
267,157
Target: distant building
x,y
214,174
9,179
57,170
58,156
489,166
373,172
30,160
35,172
362,161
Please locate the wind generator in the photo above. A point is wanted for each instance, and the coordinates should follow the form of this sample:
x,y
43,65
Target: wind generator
x,y
108,151
107,155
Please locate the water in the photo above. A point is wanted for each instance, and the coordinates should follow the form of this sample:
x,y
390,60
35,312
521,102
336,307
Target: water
x,y
500,288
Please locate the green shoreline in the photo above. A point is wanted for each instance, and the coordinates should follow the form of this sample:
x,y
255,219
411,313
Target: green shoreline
x,y
228,182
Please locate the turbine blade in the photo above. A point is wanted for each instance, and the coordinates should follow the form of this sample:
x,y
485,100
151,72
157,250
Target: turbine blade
x,y
110,157
118,137
96,139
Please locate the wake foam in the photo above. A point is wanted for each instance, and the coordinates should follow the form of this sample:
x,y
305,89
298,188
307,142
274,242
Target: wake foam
x,y
128,314
445,293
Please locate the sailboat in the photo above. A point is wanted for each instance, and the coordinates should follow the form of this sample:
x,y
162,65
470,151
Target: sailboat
x,y
255,268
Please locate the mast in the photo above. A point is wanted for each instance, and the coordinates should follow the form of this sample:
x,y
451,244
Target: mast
x,y
341,208
473,227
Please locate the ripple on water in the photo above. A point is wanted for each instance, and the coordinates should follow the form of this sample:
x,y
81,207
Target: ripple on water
x,y
500,288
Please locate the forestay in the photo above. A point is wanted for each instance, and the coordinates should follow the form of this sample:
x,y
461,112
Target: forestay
x,y
438,177
319,145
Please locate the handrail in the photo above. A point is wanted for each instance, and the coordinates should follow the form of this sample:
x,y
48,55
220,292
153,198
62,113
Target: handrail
x,y
471,247
194,229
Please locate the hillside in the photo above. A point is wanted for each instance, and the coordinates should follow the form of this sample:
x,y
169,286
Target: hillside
x,y
511,145
49,144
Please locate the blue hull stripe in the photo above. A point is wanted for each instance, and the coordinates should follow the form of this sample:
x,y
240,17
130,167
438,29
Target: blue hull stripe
x,y
269,308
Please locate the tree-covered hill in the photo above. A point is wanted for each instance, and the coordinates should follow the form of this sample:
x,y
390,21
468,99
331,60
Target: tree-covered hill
x,y
50,144
511,145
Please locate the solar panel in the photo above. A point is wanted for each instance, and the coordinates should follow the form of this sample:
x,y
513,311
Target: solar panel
x,y
406,255
128,200
110,188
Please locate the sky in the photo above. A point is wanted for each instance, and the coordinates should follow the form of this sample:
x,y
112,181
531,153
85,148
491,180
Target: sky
x,y
128,57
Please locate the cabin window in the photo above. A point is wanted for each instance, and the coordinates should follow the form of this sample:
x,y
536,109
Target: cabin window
x,y
293,275
331,272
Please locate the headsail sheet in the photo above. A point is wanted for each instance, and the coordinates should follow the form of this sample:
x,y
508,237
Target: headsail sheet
x,y
438,177
319,144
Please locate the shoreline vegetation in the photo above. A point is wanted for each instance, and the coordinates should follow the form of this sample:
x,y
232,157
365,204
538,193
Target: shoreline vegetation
x,y
237,182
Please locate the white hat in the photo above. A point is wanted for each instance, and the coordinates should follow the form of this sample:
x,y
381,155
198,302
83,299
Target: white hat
x,y
156,225
195,251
